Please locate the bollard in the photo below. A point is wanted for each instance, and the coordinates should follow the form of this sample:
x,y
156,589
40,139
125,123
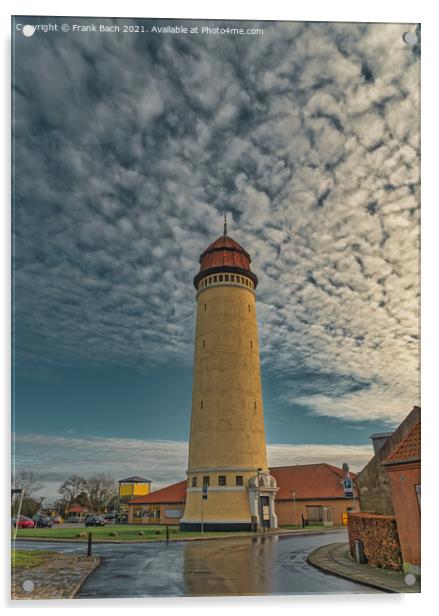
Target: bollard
x,y
167,533
360,557
89,545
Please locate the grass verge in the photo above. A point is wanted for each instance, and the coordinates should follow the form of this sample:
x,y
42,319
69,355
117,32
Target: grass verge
x,y
134,532
27,560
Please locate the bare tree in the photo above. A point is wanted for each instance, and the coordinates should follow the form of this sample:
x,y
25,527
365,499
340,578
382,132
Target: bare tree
x,y
101,490
28,481
73,489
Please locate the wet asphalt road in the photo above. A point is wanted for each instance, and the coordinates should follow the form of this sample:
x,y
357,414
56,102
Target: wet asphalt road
x,y
242,566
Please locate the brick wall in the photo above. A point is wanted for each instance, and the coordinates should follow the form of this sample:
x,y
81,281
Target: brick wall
x,y
403,479
379,535
286,513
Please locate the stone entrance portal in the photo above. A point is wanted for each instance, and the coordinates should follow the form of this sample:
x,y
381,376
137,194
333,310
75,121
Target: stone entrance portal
x,y
261,490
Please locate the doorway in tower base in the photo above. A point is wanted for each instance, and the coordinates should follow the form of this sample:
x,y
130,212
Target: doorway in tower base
x,y
264,511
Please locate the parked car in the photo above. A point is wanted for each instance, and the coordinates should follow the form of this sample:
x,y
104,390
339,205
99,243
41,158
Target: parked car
x,y
94,520
110,518
42,521
75,519
89,515
23,522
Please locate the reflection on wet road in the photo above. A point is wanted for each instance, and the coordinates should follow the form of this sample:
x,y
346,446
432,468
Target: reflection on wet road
x,y
241,566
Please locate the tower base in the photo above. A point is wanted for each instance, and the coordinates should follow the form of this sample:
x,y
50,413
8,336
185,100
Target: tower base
x,y
216,526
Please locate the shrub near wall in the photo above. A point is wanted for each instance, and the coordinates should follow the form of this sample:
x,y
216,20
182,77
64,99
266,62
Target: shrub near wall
x,y
379,536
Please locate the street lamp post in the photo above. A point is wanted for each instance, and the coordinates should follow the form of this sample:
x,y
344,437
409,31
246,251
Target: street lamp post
x,y
259,471
295,508
202,516
21,493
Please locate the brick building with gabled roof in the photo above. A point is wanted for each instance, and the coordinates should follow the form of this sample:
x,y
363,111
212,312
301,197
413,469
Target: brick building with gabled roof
x,y
390,499
403,466
313,491
373,481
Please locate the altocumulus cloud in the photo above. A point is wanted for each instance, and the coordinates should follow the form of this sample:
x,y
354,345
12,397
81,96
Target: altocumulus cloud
x,y
129,148
163,462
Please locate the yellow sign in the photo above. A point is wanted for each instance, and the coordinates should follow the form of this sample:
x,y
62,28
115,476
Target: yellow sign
x,y
344,519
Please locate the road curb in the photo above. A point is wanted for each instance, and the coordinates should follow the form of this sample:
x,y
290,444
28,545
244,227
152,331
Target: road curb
x,y
343,566
76,588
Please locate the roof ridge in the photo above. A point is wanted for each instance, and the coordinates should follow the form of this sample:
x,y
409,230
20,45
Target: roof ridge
x,y
300,465
403,443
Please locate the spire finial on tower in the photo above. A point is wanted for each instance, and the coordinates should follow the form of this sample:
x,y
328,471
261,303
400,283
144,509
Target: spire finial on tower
x,y
225,223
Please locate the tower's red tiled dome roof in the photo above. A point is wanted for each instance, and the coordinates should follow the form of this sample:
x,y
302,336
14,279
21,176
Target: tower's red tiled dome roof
x,y
225,255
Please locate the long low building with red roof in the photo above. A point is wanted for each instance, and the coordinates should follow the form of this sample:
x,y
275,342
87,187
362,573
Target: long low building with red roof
x,y
312,492
309,493
164,506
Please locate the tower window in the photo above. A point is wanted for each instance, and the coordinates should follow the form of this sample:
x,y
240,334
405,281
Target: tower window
x,y
206,480
215,278
251,344
232,277
204,344
201,404
220,277
210,280
239,480
255,404
226,277
246,281
221,480
205,306
249,308
194,482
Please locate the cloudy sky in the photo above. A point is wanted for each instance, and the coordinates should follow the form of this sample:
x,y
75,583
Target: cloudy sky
x,y
128,148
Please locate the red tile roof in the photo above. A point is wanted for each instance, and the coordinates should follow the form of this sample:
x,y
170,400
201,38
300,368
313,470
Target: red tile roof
x,y
76,508
225,242
175,493
226,253
409,449
309,481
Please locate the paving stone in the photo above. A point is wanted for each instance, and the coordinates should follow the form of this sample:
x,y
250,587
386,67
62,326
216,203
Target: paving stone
x,y
56,578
